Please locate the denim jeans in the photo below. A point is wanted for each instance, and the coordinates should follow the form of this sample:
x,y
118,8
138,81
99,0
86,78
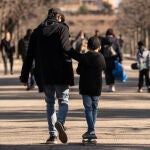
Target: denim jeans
x,y
62,94
90,104
5,57
10,57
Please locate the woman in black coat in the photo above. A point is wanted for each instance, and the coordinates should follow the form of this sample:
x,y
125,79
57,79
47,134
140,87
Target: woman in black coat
x,y
111,43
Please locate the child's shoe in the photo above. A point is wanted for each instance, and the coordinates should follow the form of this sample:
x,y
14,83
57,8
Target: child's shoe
x,y
88,134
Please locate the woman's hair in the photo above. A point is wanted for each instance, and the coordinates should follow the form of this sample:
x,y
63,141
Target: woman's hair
x,y
110,32
81,33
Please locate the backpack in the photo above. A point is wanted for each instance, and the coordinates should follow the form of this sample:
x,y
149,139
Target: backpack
x,y
108,51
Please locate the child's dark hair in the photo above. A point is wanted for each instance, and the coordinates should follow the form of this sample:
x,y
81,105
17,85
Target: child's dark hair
x,y
93,43
140,43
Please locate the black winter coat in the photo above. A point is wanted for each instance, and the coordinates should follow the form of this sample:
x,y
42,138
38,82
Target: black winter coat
x,y
90,70
49,45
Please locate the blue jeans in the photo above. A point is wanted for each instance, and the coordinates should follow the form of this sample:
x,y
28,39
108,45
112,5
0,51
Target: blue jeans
x,y
62,94
5,57
10,58
90,104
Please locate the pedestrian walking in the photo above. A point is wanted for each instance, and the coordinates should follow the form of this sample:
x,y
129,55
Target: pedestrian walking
x,y
23,48
7,50
23,44
143,60
90,69
111,52
121,45
97,34
49,45
80,42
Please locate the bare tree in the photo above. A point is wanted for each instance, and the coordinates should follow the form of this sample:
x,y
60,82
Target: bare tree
x,y
13,11
133,21
17,15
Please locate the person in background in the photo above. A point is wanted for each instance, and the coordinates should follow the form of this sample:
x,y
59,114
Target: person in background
x,y
80,42
23,48
7,51
143,59
110,43
121,44
90,69
19,47
97,34
23,44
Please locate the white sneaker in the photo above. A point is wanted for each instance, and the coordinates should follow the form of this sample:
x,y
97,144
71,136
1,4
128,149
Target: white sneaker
x,y
140,90
111,89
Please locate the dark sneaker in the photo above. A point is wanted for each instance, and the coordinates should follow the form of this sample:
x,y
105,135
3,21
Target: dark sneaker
x,y
30,87
61,131
88,135
52,140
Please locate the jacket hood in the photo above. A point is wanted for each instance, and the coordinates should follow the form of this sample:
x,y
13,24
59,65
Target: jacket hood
x,y
91,59
109,40
49,26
